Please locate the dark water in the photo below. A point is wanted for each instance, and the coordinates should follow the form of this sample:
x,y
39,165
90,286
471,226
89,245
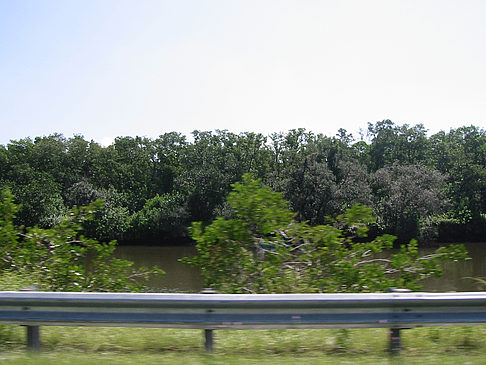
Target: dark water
x,y
178,277
182,278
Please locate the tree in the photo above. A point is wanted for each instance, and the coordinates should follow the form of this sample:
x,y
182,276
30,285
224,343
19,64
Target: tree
x,y
8,209
461,155
211,164
302,173
162,217
167,161
263,249
4,163
405,194
352,187
310,188
390,143
77,162
40,195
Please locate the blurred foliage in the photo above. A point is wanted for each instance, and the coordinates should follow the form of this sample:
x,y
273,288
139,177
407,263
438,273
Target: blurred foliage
x,y
61,258
264,249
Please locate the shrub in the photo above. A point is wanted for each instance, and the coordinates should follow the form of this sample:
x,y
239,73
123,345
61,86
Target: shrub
x,y
263,249
61,258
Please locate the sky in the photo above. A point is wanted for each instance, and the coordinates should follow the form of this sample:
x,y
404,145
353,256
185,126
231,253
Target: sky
x,y
108,68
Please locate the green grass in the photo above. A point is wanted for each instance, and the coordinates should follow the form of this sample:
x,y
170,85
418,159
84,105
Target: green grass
x,y
189,359
86,345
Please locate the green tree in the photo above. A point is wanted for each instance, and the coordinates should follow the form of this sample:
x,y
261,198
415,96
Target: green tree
x,y
134,169
391,143
319,176
405,194
162,217
112,220
310,188
211,164
353,186
8,209
77,162
302,173
167,161
40,196
4,163
263,249
461,155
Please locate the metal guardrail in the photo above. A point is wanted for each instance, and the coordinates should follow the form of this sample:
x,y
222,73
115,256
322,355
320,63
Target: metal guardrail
x,y
395,310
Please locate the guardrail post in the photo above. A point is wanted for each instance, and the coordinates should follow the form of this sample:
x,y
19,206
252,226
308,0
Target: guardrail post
x,y
208,340
33,338
208,333
395,345
33,332
395,339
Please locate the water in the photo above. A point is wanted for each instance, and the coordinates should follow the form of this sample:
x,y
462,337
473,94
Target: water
x,y
178,277
181,278
458,276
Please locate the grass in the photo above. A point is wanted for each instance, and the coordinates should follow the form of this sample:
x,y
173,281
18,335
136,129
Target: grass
x,y
84,345
189,359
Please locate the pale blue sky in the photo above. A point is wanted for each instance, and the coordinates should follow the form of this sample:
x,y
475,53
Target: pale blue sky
x,y
107,68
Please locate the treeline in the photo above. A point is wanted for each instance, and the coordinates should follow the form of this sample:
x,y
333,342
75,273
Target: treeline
x,y
430,187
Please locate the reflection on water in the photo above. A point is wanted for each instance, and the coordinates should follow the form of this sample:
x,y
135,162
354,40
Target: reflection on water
x,y
181,278
458,275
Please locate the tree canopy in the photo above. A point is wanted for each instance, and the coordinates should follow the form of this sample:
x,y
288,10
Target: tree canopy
x,y
432,187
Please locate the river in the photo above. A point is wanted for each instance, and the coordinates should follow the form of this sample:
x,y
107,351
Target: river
x,y
181,278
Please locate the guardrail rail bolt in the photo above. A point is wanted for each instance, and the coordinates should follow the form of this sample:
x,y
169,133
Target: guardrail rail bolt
x,y
208,333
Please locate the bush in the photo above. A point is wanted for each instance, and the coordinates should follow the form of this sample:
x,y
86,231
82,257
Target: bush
x,y
61,258
263,249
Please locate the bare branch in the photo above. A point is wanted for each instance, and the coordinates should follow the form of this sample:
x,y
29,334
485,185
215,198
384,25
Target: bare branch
x,y
371,261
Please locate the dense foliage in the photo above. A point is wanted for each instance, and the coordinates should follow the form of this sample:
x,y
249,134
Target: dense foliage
x,y
263,249
61,258
432,187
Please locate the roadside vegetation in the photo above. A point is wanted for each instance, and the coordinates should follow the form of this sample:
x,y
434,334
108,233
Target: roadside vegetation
x,y
259,247
62,258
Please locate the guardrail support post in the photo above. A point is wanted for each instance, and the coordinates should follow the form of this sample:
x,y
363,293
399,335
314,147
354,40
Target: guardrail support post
x,y
33,338
395,340
395,345
33,332
208,333
208,340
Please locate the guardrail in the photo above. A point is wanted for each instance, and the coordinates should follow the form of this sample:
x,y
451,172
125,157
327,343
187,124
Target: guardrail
x,y
396,310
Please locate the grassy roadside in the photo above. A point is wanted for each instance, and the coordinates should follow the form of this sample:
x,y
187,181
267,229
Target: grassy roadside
x,y
77,345
193,359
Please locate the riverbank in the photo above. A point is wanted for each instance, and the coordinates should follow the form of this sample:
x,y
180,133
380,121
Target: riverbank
x,y
68,345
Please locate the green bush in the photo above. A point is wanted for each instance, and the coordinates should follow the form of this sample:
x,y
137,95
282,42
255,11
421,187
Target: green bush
x,y
61,258
263,249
